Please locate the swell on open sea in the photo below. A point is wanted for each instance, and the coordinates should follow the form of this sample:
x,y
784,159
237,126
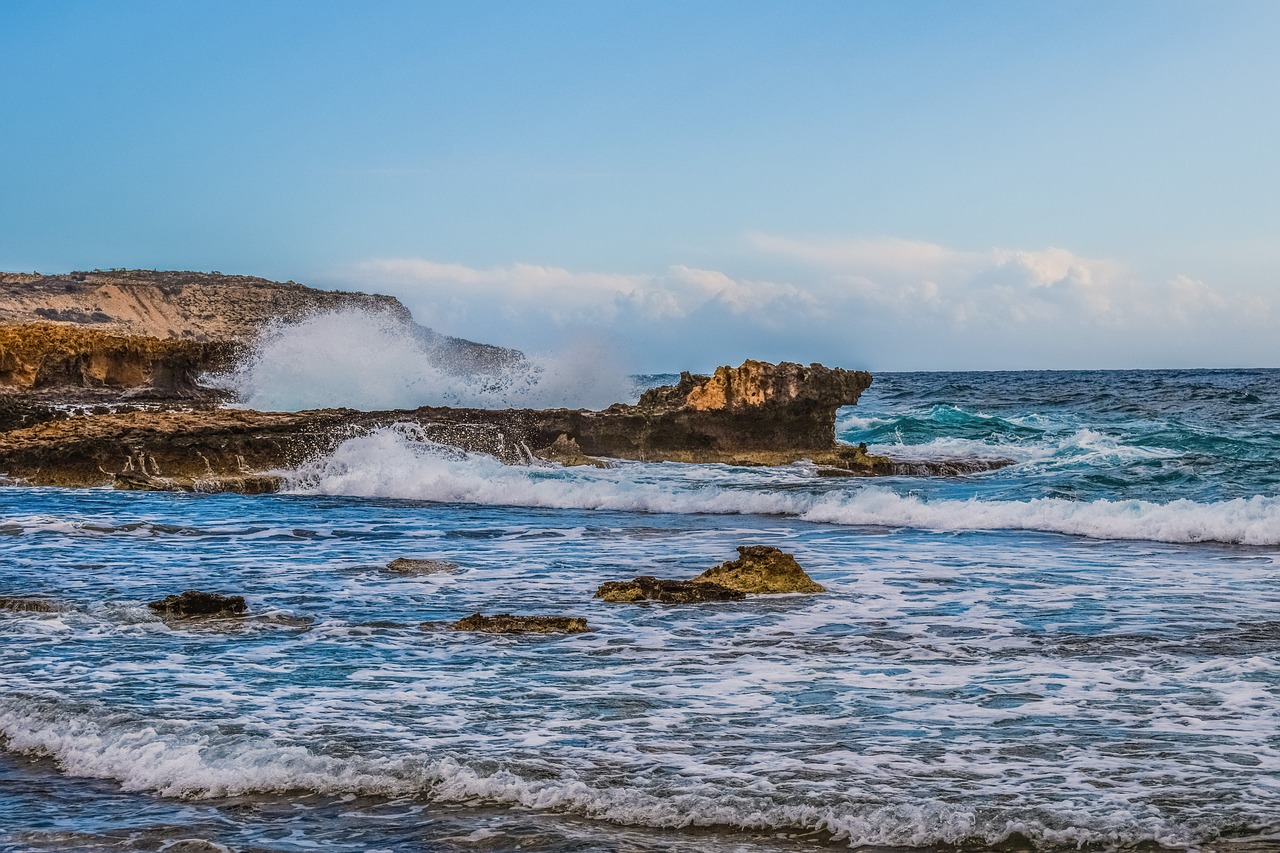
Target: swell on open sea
x,y
1079,650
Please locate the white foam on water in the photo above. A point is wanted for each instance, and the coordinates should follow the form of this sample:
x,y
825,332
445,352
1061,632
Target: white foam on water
x,y
395,463
370,360
197,761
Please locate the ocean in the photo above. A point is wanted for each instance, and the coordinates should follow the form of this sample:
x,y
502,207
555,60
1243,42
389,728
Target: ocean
x,y
1078,650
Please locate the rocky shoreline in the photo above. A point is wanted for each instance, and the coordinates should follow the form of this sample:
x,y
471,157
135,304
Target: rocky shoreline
x,y
99,385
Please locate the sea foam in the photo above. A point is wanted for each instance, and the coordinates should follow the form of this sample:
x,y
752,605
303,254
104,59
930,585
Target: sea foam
x,y
395,462
194,761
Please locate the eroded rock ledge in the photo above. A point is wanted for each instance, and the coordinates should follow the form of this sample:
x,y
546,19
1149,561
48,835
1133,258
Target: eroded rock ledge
x,y
756,414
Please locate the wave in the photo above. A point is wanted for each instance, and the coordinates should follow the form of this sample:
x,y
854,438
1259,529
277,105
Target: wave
x,y
201,761
371,360
395,462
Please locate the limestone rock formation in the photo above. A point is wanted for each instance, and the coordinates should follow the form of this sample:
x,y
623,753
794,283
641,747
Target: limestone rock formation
x,y
195,602
755,414
36,356
505,623
762,570
649,588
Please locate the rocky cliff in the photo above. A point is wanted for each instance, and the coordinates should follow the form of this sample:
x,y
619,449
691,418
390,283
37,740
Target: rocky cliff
x,y
185,321
37,356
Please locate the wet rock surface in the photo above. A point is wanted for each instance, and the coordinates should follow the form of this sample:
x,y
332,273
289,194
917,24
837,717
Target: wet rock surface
x,y
565,450
762,570
29,604
759,570
246,484
506,623
649,588
196,602
413,567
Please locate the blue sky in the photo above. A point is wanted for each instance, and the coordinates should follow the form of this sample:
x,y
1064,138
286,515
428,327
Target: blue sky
x,y
896,185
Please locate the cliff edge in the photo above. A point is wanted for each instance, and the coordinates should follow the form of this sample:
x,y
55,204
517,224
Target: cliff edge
x,y
127,329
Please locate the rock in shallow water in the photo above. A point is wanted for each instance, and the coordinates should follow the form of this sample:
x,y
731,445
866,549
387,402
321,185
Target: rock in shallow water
x,y
762,570
411,566
194,602
22,604
505,623
649,588
759,570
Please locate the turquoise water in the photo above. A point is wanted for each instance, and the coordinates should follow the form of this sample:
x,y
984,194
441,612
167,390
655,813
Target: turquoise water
x,y
1082,648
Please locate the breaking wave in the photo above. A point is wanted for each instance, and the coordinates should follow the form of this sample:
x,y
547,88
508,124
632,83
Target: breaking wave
x,y
396,463
370,360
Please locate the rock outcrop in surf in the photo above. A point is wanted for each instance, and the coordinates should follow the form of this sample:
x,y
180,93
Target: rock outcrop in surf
x,y
759,570
194,603
758,414
762,570
506,623
665,591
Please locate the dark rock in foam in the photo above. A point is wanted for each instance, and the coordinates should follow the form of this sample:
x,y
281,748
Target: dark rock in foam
x,y
413,567
759,570
649,588
505,623
29,604
196,602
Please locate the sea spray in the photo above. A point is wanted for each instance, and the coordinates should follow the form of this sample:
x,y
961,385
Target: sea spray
x,y
370,360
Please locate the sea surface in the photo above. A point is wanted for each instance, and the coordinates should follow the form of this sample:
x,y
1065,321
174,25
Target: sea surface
x,y
1079,650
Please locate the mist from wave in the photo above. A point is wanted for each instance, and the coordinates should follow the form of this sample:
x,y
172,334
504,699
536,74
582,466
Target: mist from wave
x,y
373,360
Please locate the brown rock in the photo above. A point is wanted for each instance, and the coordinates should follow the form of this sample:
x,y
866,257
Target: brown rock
x,y
505,623
44,355
649,588
413,567
762,570
23,604
566,451
194,602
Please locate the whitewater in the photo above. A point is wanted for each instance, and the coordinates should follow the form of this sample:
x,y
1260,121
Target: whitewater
x,y
1080,649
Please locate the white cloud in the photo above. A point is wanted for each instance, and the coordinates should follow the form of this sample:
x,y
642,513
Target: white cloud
x,y
900,303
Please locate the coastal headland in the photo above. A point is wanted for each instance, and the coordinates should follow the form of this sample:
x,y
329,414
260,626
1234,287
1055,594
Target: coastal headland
x,y
101,382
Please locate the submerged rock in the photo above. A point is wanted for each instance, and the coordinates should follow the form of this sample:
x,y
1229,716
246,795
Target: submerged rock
x,y
195,602
24,604
762,570
413,567
649,588
505,623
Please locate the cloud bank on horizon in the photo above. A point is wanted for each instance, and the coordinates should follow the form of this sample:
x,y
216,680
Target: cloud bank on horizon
x,y
878,302
892,185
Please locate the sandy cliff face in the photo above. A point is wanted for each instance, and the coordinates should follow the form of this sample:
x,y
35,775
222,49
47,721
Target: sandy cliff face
x,y
193,305
134,328
35,356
